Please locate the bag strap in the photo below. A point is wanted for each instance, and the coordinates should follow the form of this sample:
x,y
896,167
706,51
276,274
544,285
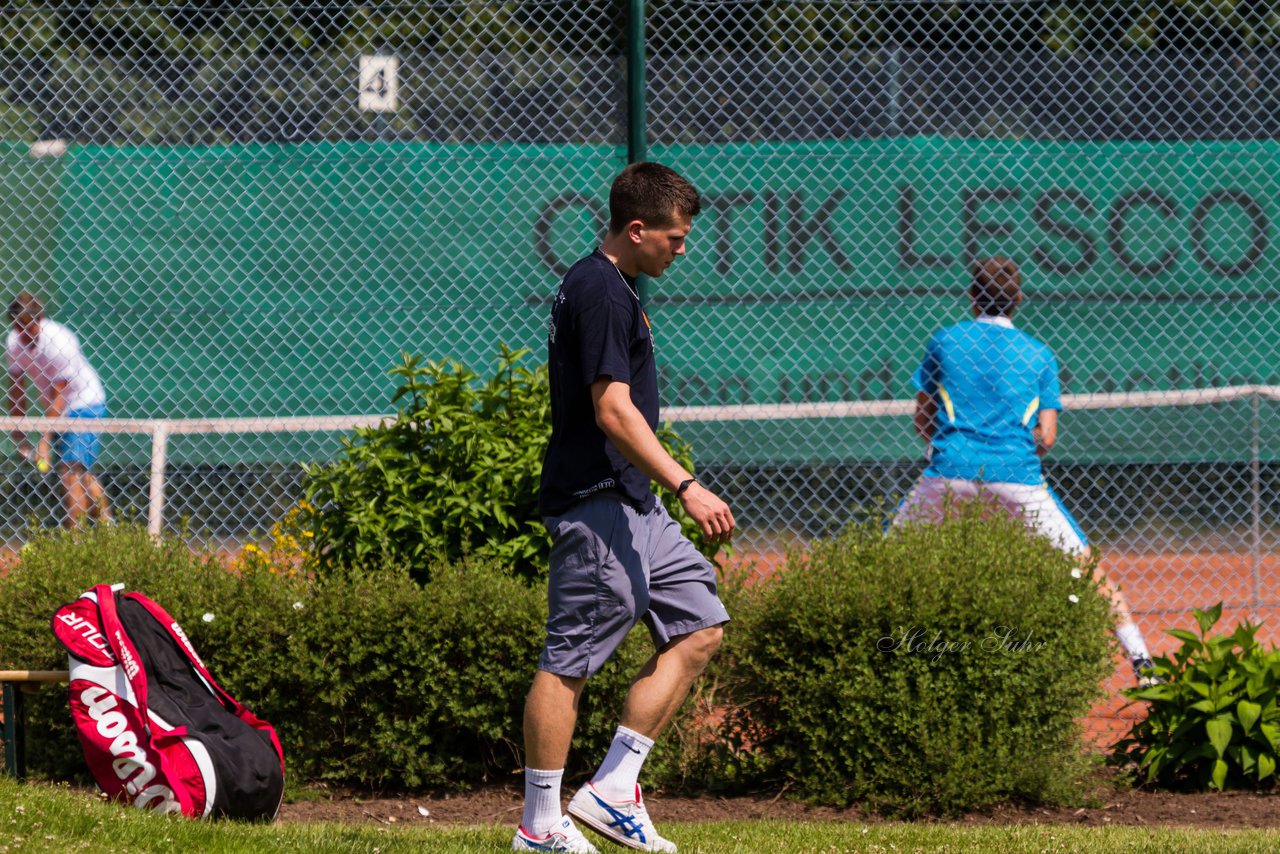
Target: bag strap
x,y
127,656
126,653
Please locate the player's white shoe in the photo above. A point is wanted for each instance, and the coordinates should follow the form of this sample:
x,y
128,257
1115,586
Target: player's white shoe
x,y
625,822
563,837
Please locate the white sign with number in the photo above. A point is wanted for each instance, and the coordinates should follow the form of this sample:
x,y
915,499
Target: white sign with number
x,y
379,83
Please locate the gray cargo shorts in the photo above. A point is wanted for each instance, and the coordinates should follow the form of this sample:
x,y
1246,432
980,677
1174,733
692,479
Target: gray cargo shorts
x,y
612,566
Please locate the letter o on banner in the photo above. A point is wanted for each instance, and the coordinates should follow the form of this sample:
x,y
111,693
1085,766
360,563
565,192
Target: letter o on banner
x,y
1258,228
1120,210
546,223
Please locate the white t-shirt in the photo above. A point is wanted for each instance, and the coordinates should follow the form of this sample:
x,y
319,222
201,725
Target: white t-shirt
x,y
55,357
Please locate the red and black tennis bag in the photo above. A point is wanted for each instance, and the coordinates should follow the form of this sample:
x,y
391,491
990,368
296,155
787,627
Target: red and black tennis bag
x,y
157,730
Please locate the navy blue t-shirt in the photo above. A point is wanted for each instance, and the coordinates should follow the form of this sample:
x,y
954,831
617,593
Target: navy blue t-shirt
x,y
598,329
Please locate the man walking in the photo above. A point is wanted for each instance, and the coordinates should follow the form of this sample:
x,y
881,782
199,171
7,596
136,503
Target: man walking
x,y
617,557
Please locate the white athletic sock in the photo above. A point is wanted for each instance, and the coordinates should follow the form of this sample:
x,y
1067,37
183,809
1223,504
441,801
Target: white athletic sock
x,y
541,801
616,779
1131,639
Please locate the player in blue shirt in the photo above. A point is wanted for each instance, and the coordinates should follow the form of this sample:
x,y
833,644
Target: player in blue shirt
x,y
987,408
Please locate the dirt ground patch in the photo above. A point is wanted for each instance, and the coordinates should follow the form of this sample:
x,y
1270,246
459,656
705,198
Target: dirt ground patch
x,y
502,805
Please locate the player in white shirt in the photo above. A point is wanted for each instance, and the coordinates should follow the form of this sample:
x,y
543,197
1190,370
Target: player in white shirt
x,y
48,354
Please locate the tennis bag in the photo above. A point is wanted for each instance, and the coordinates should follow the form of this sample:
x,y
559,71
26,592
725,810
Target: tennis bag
x,y
156,729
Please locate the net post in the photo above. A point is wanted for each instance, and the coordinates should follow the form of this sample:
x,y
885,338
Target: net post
x,y
159,452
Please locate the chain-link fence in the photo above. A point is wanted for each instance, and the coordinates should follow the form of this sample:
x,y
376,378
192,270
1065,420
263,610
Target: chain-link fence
x,y
250,210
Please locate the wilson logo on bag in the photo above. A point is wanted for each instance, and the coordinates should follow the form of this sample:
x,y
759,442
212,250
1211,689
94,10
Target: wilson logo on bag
x,y
157,730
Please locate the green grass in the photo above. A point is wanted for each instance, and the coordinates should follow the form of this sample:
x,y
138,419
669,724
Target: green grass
x,y
37,818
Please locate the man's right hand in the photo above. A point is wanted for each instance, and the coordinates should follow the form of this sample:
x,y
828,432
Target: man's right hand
x,y
712,514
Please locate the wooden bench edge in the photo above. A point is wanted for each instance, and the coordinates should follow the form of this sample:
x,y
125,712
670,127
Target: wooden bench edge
x,y
34,675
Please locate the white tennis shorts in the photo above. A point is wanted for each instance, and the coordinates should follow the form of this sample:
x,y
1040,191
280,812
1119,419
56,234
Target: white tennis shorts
x,y
1036,503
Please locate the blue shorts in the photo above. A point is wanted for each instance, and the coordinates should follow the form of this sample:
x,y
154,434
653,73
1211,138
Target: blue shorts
x,y
82,448
613,566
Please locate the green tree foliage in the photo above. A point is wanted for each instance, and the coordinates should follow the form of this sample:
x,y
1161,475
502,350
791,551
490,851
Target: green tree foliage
x,y
820,26
209,74
148,30
454,473
1214,723
1182,25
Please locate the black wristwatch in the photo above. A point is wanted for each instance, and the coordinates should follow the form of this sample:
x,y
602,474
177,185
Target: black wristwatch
x,y
685,484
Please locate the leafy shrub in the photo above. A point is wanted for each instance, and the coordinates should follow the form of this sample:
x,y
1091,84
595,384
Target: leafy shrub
x,y
454,474
1214,722
936,669
370,678
287,550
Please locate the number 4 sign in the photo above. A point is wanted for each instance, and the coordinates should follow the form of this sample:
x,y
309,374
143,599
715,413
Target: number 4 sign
x,y
379,82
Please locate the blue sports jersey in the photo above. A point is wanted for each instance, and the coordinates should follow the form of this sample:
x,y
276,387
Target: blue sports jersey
x,y
989,380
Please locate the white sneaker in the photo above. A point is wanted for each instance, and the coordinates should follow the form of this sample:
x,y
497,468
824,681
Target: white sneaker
x,y
625,822
563,837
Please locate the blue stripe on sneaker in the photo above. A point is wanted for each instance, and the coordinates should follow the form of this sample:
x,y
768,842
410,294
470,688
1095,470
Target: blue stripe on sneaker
x,y
626,823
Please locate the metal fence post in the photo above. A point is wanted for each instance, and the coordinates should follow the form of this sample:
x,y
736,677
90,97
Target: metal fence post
x,y
637,108
637,120
893,88
1255,495
159,453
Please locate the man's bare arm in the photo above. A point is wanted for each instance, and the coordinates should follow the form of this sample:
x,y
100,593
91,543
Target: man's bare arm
x,y
627,429
926,414
1046,431
57,409
17,394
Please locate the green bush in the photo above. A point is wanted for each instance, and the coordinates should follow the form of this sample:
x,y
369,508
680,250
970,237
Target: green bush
x,y
1214,722
933,670
371,679
454,474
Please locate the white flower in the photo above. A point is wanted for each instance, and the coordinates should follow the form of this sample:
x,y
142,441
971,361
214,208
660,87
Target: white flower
x,y
1073,598
208,617
297,606
1075,573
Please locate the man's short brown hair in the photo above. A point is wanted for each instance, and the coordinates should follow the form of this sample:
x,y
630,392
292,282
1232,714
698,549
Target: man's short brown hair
x,y
651,193
996,286
24,307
